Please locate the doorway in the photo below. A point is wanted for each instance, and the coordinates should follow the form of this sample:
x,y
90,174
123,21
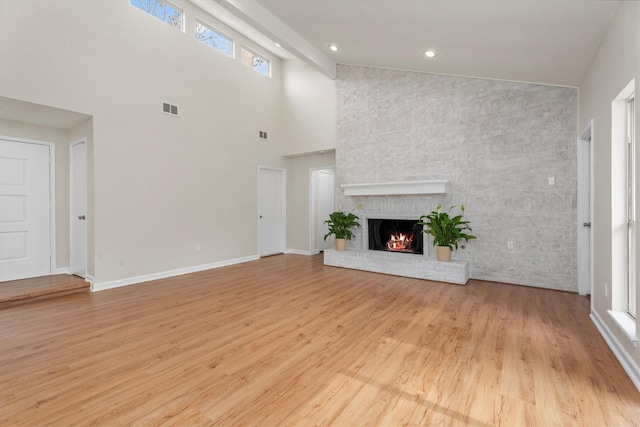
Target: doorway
x,y
271,211
585,211
78,207
27,196
321,205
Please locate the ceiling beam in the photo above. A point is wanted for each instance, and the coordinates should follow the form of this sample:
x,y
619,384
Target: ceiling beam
x,y
269,25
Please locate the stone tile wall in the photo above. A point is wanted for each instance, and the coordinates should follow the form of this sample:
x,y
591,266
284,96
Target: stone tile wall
x,y
496,142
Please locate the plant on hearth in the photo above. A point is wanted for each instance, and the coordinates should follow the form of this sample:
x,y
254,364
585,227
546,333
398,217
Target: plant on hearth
x,y
342,224
446,230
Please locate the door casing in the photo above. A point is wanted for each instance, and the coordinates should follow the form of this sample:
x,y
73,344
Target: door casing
x,y
585,211
78,207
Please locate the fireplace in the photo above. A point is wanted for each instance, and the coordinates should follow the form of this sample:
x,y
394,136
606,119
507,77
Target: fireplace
x,y
395,235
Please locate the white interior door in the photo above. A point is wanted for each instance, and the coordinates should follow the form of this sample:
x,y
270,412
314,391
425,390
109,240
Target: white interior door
x,y
271,211
323,206
25,210
584,213
78,194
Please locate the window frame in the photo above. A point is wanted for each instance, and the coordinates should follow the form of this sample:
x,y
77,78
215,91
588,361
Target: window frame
x,y
631,205
181,24
200,22
256,55
624,231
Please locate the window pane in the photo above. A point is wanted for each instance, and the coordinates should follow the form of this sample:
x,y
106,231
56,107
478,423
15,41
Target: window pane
x,y
255,61
161,10
214,39
631,178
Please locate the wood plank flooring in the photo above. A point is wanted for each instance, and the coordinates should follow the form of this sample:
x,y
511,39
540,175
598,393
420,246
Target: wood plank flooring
x,y
28,290
286,341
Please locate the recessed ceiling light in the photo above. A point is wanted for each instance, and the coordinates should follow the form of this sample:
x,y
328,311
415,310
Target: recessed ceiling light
x,y
333,47
429,53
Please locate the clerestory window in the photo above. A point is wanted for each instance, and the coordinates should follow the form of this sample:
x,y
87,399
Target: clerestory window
x,y
213,38
163,10
257,62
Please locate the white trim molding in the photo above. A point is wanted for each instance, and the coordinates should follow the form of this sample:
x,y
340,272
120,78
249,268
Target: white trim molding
x,y
299,252
627,362
166,274
438,186
627,325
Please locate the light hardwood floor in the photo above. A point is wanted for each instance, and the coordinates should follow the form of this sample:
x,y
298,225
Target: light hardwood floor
x,y
287,341
23,291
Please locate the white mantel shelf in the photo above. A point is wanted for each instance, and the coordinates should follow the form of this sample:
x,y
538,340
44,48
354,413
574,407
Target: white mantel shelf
x,y
396,188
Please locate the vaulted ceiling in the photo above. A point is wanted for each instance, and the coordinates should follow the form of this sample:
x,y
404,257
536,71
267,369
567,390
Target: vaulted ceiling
x,y
541,41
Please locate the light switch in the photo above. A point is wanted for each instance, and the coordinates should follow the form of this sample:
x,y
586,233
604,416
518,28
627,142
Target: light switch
x,y
552,180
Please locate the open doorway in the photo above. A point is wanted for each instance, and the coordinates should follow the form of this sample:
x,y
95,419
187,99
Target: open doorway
x,y
321,205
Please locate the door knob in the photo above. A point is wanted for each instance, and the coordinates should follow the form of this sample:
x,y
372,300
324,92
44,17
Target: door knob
x,y
586,224
81,217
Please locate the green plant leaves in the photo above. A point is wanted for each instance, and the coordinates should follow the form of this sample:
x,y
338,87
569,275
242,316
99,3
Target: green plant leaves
x,y
446,231
341,225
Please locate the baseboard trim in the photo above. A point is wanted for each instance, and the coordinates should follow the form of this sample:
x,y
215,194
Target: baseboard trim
x,y
298,252
627,362
96,287
63,270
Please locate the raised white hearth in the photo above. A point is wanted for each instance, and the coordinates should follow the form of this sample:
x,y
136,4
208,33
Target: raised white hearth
x,y
399,264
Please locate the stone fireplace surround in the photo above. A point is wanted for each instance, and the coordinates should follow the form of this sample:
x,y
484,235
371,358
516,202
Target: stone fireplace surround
x,y
497,142
419,266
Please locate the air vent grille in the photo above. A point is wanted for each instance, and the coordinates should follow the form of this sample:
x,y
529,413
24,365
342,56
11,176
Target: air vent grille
x,y
169,108
262,134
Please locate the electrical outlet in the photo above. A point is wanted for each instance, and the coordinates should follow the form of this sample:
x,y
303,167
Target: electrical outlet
x,y
606,289
510,245
198,247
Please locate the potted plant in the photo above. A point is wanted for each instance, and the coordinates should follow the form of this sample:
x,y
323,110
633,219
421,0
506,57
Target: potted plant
x,y
341,225
446,230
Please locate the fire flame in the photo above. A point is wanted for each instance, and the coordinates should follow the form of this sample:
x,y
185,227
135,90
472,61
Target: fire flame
x,y
400,242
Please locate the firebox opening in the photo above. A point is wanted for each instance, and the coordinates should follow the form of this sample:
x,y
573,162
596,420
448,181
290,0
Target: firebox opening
x,y
395,235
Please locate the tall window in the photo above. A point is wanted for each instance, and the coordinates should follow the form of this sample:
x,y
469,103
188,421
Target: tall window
x,y
255,61
631,205
624,228
162,10
213,38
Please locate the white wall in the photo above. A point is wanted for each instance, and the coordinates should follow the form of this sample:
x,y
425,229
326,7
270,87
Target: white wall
x,y
298,197
162,184
615,65
309,106
309,127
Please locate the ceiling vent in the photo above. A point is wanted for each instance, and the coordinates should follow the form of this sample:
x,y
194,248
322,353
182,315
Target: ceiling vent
x,y
262,135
